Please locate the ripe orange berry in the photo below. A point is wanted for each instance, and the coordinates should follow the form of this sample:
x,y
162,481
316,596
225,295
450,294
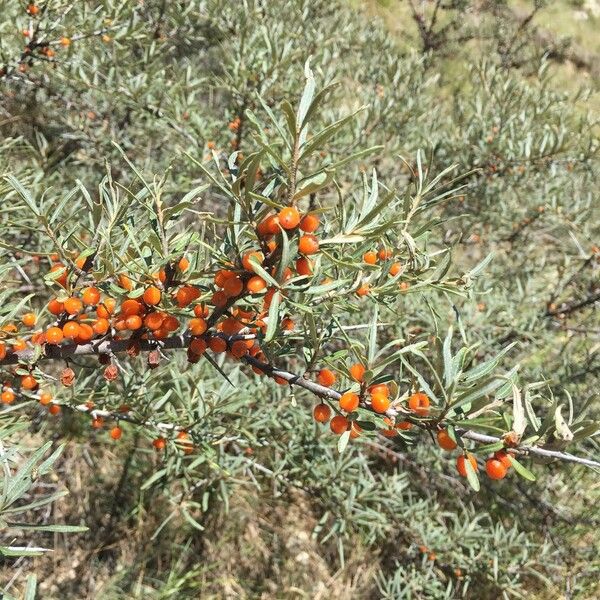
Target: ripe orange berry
x,y
28,382
308,244
495,469
131,307
419,403
2,350
395,268
28,319
32,9
384,254
125,282
55,307
270,226
289,217
91,296
97,422
363,290
309,223
101,326
197,326
504,458
287,324
389,431
106,308
217,344
45,398
321,413
349,401
73,305
253,255
219,299
65,42
445,442
8,397
326,377
357,372
355,430
379,388
380,402
183,264
152,295
370,258
70,330
54,409
86,333
186,295
62,278
304,266
461,464
339,424
159,443
116,432
133,322
200,310
256,284
239,348
233,286
198,346
54,335
404,425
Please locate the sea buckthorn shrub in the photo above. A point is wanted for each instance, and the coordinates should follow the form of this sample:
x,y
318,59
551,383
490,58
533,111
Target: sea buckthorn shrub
x,y
246,271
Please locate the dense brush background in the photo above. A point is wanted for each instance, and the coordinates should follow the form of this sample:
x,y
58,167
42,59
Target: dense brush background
x,y
506,90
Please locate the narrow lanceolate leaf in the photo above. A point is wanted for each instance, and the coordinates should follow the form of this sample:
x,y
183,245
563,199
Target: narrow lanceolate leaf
x,y
30,587
519,421
521,470
472,476
53,528
343,441
373,336
273,316
22,551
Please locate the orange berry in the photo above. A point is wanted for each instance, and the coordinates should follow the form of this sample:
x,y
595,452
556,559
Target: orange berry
x,y
363,290
287,324
370,258
54,409
19,345
200,310
55,307
289,217
28,319
45,398
384,254
256,256
395,268
125,282
183,264
219,299
28,382
380,402
152,295
91,296
54,335
131,307
461,464
304,266
197,326
97,422
233,287
504,458
445,441
198,346
308,244
349,401
389,432
217,344
32,9
8,397
404,425
170,323
309,223
256,284
495,469
86,333
419,403
379,388
80,262
70,330
270,226
355,430
101,326
326,377
116,432
159,443
321,413
239,349
186,295
339,424
73,305
357,372
65,42
222,276
133,322
106,308
62,278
